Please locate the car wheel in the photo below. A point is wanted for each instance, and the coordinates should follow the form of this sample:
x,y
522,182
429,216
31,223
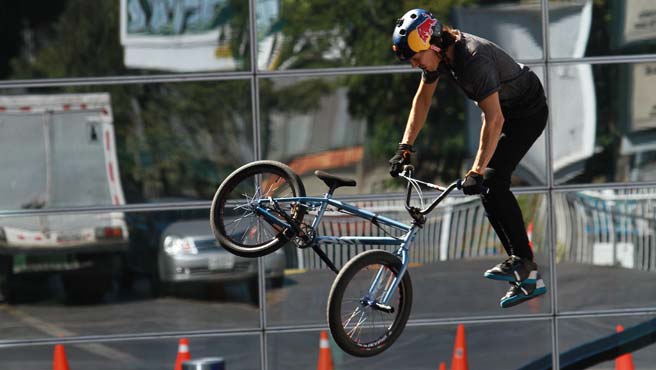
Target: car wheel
x,y
277,282
254,289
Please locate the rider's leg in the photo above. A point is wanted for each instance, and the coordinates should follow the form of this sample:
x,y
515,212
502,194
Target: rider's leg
x,y
506,217
500,204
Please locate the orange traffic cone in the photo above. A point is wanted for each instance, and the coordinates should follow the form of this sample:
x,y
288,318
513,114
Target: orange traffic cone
x,y
529,234
325,357
442,366
183,353
625,361
60,362
459,359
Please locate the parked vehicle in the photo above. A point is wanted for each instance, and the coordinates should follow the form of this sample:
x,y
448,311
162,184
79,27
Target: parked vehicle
x,y
58,151
189,252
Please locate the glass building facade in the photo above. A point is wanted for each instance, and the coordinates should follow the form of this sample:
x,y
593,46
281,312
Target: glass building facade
x,y
120,118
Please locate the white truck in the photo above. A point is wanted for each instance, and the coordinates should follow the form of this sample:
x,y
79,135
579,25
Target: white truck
x,y
59,153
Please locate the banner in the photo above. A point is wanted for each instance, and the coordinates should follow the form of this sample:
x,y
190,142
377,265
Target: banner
x,y
177,35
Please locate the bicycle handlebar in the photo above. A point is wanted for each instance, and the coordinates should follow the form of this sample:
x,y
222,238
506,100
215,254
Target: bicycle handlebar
x,y
407,174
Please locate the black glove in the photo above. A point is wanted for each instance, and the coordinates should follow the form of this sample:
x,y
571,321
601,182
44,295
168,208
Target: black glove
x,y
401,158
473,183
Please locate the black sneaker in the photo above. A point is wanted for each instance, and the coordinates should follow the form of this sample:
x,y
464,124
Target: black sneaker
x,y
514,269
522,292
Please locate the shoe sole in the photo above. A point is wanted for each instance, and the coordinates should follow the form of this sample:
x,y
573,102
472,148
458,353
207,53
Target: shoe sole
x,y
515,300
512,279
500,277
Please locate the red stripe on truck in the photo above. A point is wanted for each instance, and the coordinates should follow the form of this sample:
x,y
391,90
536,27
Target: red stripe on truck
x,y
110,170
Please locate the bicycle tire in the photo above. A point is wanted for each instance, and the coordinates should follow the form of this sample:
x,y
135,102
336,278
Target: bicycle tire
x,y
235,226
339,317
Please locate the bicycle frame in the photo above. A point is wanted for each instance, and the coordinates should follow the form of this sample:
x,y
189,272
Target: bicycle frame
x,y
404,242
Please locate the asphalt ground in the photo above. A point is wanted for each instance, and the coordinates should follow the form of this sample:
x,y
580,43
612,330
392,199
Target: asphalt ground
x,y
447,290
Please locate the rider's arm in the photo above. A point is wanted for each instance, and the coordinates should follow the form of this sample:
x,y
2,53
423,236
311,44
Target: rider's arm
x,y
490,131
420,106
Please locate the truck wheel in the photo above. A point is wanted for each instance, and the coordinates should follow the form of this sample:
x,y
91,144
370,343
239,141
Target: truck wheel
x,y
7,290
86,288
7,280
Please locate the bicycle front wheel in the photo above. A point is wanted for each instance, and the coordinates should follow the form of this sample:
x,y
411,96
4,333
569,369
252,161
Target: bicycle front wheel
x,y
233,219
360,322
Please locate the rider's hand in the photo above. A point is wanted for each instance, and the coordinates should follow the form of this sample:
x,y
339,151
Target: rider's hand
x,y
401,158
473,183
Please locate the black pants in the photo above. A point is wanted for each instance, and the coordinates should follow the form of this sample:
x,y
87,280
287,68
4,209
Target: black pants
x,y
501,207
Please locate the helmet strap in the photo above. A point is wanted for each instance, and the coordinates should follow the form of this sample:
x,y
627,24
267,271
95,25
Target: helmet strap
x,y
438,50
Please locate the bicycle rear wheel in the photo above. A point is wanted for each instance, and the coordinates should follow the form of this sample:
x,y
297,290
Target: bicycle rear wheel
x,y
359,327
233,220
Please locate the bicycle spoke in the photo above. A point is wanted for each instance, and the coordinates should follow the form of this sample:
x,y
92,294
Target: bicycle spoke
x,y
264,226
367,324
364,325
246,231
353,314
357,328
271,189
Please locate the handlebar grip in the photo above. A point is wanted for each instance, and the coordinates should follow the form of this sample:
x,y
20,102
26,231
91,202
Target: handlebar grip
x,y
484,189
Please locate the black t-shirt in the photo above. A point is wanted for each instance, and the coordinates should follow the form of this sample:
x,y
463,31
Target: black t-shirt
x,y
480,68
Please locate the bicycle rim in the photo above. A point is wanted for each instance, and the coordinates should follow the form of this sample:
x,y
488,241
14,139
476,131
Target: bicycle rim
x,y
237,226
364,330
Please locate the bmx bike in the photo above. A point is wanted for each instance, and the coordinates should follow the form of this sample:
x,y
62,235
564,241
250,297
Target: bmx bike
x,y
262,205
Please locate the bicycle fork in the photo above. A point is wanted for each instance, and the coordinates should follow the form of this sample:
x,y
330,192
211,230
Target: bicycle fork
x,y
402,253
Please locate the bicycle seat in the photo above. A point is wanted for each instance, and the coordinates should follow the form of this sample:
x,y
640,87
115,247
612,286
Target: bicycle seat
x,y
334,181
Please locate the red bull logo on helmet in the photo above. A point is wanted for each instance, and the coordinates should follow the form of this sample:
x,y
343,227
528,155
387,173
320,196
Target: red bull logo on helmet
x,y
419,38
425,29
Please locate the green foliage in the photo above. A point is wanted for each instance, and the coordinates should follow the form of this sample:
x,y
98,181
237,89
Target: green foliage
x,y
84,42
358,31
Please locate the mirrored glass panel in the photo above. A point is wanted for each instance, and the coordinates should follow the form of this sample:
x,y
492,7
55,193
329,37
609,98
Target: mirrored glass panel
x,y
603,122
124,273
241,352
125,37
315,34
425,347
606,236
613,342
449,256
120,144
351,125
586,28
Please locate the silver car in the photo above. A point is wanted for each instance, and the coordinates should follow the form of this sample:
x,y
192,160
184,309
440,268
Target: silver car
x,y
189,252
